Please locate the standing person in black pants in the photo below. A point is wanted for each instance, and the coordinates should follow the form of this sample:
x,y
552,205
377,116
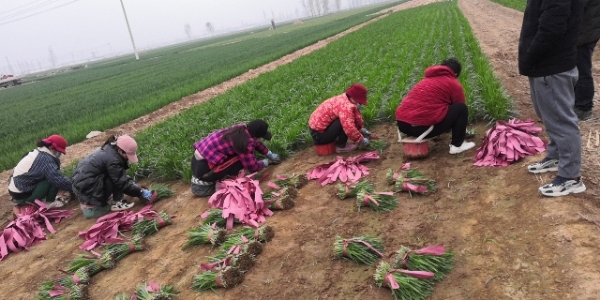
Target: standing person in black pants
x,y
589,33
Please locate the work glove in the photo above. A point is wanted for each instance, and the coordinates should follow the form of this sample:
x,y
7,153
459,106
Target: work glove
x,y
365,133
273,157
146,194
265,162
364,143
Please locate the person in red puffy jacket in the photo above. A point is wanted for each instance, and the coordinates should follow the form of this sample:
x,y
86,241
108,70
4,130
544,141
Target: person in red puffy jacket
x,y
438,100
338,119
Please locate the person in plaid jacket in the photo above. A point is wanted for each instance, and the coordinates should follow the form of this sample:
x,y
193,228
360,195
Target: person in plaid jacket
x,y
227,151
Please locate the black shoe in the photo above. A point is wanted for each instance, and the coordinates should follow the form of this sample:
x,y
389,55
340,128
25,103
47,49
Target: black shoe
x,y
583,115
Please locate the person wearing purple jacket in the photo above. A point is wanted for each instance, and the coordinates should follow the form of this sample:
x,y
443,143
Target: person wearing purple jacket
x,y
226,152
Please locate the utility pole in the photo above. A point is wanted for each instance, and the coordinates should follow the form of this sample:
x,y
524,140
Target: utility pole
x,y
137,57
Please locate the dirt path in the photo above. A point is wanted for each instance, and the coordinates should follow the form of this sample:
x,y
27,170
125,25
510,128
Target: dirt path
x,y
510,243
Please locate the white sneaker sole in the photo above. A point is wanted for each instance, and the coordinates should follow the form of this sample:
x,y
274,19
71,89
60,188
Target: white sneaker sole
x,y
578,190
554,169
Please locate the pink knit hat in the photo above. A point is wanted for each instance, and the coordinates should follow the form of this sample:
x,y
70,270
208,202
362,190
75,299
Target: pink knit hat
x,y
128,144
358,92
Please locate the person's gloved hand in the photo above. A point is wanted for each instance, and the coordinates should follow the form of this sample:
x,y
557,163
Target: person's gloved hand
x,y
265,162
364,143
365,133
274,158
146,194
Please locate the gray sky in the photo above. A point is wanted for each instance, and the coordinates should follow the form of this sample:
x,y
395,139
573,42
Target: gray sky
x,y
77,30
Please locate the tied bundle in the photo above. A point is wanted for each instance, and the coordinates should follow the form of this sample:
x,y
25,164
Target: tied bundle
x,y
235,244
153,291
433,259
241,198
92,265
52,291
147,227
405,284
162,192
351,190
120,250
346,170
286,180
226,277
264,233
214,216
107,228
282,199
363,249
28,228
377,201
242,261
508,142
205,234
410,180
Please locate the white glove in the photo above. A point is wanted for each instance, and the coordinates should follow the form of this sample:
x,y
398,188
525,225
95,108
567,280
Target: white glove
x,y
265,162
364,142
365,133
273,157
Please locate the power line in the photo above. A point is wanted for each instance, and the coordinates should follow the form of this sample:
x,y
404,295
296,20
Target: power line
x,y
19,7
31,15
24,10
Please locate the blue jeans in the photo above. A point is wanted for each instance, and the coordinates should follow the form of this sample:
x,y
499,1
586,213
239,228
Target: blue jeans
x,y
553,99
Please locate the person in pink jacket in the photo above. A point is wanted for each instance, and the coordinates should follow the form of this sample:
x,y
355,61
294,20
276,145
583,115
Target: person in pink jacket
x,y
438,100
338,119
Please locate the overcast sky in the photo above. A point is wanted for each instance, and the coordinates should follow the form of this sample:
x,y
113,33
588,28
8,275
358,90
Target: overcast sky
x,y
75,30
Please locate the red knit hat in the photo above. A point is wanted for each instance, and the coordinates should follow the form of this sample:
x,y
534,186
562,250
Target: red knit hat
x,y
358,92
58,142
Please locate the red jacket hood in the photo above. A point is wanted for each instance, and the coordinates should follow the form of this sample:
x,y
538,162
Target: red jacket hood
x,y
436,71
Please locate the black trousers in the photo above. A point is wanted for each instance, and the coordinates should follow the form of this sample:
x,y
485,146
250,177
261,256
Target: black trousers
x,y
584,89
202,171
333,133
456,120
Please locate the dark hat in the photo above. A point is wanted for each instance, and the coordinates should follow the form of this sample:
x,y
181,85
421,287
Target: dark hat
x,y
259,128
358,92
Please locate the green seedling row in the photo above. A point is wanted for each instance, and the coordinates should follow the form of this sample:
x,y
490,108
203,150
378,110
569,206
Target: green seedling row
x,y
388,56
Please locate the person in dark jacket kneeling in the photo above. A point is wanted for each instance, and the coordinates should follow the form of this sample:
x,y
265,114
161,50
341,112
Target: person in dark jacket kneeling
x,y
37,176
102,175
226,152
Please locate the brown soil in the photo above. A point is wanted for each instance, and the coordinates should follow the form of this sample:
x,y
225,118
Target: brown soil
x,y
509,242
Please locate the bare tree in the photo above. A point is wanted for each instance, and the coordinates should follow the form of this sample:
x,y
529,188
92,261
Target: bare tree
x,y
306,7
210,27
325,4
188,30
338,5
311,5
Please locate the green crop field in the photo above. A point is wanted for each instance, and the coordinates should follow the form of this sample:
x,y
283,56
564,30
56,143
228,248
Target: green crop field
x,y
109,93
516,4
388,56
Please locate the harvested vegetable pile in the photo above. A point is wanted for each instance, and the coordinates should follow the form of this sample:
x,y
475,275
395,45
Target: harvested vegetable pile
x,y
405,284
151,291
346,170
363,249
410,180
351,190
377,201
206,234
508,142
433,259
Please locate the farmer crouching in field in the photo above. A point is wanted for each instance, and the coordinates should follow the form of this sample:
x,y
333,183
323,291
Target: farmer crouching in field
x,y
339,118
101,177
37,176
437,100
226,152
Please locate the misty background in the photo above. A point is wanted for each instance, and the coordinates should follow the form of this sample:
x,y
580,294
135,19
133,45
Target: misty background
x,y
37,35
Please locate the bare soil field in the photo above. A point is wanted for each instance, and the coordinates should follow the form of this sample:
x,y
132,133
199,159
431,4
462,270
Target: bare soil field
x,y
509,242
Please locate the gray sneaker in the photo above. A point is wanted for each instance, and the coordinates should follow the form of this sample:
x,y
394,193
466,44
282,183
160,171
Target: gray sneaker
x,y
583,115
546,165
561,186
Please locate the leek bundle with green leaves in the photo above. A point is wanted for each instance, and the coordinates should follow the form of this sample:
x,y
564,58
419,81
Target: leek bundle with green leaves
x,y
162,191
154,291
205,234
239,243
377,201
120,250
433,259
363,249
243,261
404,284
295,181
282,199
49,290
92,264
378,145
410,180
214,216
147,227
350,191
263,233
222,278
